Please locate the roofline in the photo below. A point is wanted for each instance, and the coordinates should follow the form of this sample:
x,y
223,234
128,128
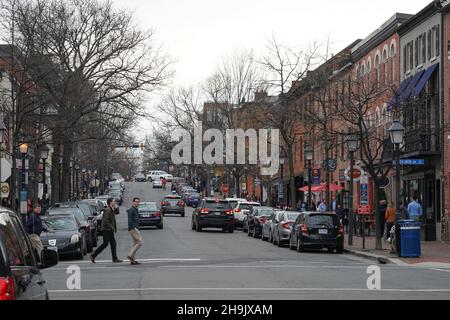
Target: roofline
x,y
428,11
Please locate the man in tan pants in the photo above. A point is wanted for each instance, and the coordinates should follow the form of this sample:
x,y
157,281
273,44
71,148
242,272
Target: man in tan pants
x,y
133,228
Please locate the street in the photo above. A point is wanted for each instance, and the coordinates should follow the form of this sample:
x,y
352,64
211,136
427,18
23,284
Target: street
x,y
179,263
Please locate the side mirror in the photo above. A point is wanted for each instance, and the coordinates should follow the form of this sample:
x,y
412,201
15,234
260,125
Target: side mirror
x,y
91,218
49,258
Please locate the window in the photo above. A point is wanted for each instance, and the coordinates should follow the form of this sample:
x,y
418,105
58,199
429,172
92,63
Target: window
x,y
13,253
437,42
377,68
429,44
424,47
416,52
411,55
404,58
393,54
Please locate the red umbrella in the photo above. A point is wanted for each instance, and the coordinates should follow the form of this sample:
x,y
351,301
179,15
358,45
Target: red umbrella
x,y
333,187
313,189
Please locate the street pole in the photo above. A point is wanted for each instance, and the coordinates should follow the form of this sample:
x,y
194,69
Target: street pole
x,y
44,186
282,183
350,205
397,182
309,186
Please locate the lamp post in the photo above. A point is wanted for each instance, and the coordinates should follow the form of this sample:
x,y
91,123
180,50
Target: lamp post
x,y
397,132
83,183
44,157
352,141
281,185
309,154
23,148
2,130
77,185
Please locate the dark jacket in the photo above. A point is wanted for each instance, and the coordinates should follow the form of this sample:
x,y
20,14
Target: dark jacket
x,y
133,218
340,213
109,220
34,225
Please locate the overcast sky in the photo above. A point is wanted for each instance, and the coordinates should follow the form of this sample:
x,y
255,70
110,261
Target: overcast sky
x,y
198,33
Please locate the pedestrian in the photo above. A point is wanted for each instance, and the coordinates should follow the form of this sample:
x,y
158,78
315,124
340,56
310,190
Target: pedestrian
x,y
164,181
322,207
109,228
339,212
414,209
382,209
133,228
299,204
34,228
390,218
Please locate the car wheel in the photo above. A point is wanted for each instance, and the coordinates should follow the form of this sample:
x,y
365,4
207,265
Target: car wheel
x,y
300,247
95,239
160,226
224,229
231,229
255,235
198,228
290,244
182,215
262,236
340,250
274,241
270,237
330,249
192,225
249,233
279,243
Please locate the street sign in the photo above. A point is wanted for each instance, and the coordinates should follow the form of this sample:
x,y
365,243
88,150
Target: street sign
x,y
23,202
412,162
280,190
257,182
364,191
330,165
357,173
244,186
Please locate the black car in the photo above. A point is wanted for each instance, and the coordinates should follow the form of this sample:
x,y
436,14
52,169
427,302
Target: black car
x,y
173,204
64,235
317,230
81,217
20,277
98,206
89,213
149,215
256,219
213,213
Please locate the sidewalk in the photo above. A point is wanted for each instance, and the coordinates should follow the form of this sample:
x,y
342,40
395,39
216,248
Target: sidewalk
x,y
433,253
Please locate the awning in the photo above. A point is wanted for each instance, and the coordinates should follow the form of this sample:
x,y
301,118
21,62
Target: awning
x,y
395,100
422,82
409,91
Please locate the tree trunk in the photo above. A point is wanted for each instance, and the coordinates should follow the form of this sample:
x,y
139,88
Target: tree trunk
x,y
292,178
66,172
55,174
378,235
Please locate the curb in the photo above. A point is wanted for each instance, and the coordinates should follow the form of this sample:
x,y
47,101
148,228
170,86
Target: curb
x,y
379,258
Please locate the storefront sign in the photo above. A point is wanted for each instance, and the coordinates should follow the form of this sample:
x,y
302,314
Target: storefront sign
x,y
412,162
5,190
364,210
364,191
342,175
357,173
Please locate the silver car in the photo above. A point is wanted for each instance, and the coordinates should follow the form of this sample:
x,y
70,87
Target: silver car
x,y
282,233
242,209
271,225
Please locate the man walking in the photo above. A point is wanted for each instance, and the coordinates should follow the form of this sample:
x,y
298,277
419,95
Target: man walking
x,y
34,228
109,227
133,225
414,209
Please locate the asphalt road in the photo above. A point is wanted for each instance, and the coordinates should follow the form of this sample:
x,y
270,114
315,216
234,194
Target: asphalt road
x,y
179,263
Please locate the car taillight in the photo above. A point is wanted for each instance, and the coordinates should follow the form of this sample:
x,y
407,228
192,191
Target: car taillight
x,y
157,214
304,228
7,288
262,220
341,229
286,225
237,210
181,203
229,211
204,211
164,203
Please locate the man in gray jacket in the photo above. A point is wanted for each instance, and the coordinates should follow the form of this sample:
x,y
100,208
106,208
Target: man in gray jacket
x,y
133,228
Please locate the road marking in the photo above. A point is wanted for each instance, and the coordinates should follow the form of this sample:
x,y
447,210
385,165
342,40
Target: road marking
x,y
249,289
109,261
444,270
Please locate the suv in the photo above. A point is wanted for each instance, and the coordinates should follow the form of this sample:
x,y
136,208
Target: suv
x,y
213,213
173,204
20,278
158,175
241,210
317,230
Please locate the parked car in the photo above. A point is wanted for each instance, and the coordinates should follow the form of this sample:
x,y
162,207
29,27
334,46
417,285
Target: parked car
x,y
317,230
271,225
256,219
192,199
234,201
82,219
116,185
140,177
150,215
98,206
242,209
282,233
89,213
64,235
20,276
213,213
117,195
157,184
173,204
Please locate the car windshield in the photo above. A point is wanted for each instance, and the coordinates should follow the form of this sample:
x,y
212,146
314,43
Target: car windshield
x,y
263,212
292,216
76,212
246,206
195,194
60,223
217,205
148,206
322,219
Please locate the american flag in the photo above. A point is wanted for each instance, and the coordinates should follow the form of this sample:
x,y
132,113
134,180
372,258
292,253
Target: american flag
x,y
4,126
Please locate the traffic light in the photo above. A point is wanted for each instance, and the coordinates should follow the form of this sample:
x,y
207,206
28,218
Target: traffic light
x,y
142,146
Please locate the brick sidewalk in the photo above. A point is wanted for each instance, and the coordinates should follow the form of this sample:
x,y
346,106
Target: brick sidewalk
x,y
431,251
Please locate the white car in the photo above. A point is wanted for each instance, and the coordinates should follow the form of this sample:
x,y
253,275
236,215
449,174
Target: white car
x,y
158,175
157,184
241,210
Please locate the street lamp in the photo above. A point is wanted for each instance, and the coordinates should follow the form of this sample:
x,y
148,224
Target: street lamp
x,y
44,157
23,148
352,141
83,183
2,131
397,133
309,154
77,188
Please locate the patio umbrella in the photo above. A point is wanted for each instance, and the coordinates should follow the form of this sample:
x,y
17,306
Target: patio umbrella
x,y
313,189
333,187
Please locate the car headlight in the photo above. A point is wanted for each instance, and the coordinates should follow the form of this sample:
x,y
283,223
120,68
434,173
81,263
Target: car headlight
x,y
75,238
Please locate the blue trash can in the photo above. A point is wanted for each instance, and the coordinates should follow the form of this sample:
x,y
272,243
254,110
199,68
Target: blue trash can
x,y
409,238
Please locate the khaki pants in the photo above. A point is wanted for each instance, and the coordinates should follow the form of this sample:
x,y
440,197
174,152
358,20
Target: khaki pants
x,y
37,244
137,242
